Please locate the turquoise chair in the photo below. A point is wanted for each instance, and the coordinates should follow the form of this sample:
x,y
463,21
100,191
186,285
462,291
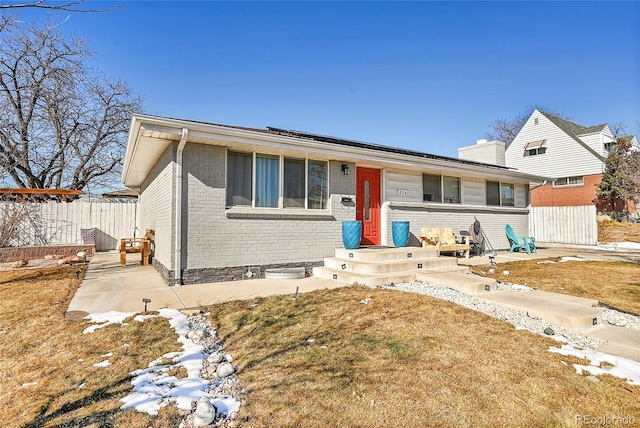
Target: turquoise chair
x,y
518,242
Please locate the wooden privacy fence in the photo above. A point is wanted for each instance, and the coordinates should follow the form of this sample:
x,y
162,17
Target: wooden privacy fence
x,y
58,223
564,225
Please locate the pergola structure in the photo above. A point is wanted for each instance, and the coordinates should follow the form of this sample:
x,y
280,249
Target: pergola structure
x,y
38,195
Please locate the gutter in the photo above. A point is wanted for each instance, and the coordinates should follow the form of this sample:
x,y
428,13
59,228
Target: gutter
x,y
178,236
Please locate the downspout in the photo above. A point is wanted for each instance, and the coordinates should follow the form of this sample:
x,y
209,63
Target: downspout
x,y
178,237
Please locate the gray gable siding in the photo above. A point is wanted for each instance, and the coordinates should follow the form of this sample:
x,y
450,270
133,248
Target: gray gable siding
x,y
564,156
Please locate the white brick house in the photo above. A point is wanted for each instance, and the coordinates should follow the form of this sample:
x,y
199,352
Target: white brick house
x,y
223,199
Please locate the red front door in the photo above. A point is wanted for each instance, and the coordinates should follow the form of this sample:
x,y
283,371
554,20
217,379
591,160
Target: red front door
x,y
368,204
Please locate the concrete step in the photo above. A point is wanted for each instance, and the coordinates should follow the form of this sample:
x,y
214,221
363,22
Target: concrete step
x,y
373,254
370,280
557,309
470,284
623,342
387,266
447,269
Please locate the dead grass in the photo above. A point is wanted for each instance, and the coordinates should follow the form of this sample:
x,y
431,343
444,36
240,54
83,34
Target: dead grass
x,y
46,364
616,284
613,231
403,360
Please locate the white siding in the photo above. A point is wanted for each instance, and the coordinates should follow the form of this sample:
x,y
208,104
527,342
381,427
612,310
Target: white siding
x,y
403,186
474,192
564,156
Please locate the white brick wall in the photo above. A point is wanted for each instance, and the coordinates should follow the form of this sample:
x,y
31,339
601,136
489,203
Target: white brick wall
x,y
156,206
214,240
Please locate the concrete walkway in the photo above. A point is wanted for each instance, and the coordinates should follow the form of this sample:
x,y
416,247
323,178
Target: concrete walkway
x,y
108,287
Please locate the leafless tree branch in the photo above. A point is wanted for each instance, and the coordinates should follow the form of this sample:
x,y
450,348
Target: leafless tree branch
x,y
70,6
60,124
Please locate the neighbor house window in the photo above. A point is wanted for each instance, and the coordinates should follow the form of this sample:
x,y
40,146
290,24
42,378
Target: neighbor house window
x,y
262,180
538,151
569,181
239,178
609,146
500,194
441,188
535,148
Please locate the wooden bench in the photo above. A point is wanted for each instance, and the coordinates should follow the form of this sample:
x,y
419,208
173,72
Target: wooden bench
x,y
136,245
444,241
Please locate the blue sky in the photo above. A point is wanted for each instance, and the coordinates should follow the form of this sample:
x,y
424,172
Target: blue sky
x,y
429,76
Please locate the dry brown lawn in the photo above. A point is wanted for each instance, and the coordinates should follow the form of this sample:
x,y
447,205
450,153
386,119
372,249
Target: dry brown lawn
x,y
46,362
402,360
616,284
613,231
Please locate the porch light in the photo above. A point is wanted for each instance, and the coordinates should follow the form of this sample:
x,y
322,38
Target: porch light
x,y
345,169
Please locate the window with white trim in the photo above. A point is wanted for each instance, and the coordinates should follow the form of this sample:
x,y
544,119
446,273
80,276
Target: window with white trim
x,y
577,180
535,148
441,188
271,181
500,194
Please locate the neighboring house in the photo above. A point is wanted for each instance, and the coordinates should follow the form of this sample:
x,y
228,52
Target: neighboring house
x,y
225,199
573,155
123,194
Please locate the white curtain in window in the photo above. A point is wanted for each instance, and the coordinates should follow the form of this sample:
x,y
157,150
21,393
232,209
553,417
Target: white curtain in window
x,y
267,181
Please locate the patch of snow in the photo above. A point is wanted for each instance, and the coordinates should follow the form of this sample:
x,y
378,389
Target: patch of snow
x,y
106,318
621,367
618,245
226,405
572,259
105,363
24,385
108,354
143,318
365,301
154,389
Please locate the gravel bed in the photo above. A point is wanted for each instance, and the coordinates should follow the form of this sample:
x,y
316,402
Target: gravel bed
x,y
228,387
520,319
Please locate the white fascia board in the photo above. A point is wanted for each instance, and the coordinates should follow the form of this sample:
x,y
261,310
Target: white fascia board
x,y
219,134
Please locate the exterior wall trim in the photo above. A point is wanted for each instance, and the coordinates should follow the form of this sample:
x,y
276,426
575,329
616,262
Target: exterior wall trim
x,y
278,216
416,206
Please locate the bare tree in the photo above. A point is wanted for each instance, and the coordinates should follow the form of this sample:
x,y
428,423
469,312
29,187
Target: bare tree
x,y
61,125
506,129
69,6
66,6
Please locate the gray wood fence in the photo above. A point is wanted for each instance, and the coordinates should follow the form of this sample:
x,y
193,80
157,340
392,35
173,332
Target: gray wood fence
x,y
55,223
564,225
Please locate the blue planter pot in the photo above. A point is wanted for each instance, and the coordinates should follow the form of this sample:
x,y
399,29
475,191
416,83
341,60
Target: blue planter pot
x,y
351,234
400,233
